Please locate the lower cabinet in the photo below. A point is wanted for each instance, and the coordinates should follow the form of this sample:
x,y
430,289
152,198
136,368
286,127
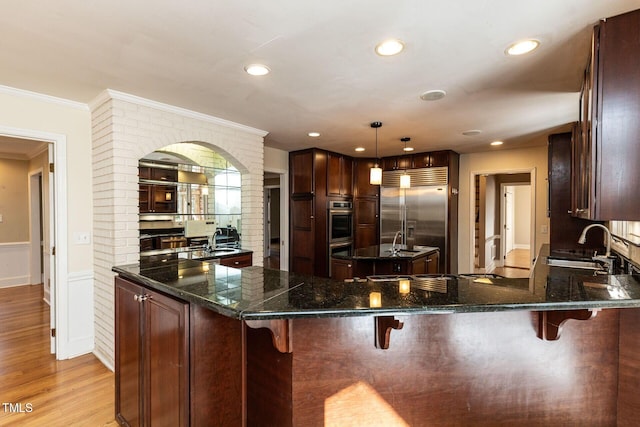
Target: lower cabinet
x,y
239,261
176,364
152,355
426,265
341,269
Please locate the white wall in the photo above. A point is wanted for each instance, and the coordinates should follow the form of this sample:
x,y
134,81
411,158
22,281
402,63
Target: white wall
x,y
499,162
125,129
37,113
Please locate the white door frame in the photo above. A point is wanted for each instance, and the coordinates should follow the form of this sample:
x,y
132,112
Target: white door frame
x,y
59,231
472,201
284,216
36,237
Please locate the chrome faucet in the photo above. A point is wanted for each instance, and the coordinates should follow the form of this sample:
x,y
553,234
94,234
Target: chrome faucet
x,y
607,256
394,250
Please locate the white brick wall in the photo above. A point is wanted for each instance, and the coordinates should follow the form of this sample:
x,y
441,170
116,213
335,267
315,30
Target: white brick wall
x,y
125,129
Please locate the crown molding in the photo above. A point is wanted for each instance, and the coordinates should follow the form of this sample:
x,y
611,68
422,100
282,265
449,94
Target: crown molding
x,y
114,94
42,97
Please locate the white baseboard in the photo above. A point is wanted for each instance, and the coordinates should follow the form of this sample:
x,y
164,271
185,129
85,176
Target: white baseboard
x,y
522,246
105,361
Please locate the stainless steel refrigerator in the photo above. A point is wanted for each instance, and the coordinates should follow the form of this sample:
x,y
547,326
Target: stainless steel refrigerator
x,y
419,212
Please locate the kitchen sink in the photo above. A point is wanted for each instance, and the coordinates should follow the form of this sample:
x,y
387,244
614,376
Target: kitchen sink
x,y
223,250
574,263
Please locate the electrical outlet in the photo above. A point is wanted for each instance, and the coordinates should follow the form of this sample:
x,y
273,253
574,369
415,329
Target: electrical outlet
x,y
81,238
544,229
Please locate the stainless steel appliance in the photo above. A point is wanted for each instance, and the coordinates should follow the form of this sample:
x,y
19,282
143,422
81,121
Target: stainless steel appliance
x,y
340,228
419,212
340,222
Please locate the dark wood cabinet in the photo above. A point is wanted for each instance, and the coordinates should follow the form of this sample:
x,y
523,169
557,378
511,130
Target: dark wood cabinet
x,y
565,228
238,261
341,269
605,154
301,169
361,176
152,357
339,175
155,197
168,369
397,162
366,222
431,159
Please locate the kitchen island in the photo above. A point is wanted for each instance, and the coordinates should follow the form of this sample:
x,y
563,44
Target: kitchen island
x,y
385,259
267,347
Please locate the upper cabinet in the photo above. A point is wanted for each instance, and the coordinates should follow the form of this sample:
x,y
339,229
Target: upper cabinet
x,y
339,175
605,154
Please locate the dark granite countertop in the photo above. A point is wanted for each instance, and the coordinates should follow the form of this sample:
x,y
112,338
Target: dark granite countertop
x,y
155,256
261,293
384,252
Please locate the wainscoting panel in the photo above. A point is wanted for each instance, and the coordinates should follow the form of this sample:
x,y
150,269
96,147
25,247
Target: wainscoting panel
x,y
14,264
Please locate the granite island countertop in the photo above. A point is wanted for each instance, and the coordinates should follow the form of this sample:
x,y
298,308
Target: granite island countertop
x,y
261,293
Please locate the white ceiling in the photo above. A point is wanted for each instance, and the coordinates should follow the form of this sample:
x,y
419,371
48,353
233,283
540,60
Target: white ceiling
x,y
325,75
20,149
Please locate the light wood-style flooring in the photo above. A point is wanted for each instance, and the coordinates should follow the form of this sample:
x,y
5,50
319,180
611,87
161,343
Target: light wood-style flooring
x,y
50,392
516,265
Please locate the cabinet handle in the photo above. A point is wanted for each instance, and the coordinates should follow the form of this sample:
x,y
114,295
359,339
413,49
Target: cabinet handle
x,y
311,216
237,262
141,298
349,265
570,212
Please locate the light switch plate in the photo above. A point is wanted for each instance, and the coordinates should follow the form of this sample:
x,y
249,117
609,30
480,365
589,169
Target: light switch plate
x,y
81,238
0,217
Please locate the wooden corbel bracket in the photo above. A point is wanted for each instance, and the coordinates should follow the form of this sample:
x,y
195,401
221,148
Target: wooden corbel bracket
x,y
550,322
280,332
384,325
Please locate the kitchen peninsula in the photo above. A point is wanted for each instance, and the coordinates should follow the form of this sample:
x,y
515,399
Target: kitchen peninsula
x,y
256,346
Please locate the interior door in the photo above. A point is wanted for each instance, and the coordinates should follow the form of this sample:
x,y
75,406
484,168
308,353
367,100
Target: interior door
x,y
509,220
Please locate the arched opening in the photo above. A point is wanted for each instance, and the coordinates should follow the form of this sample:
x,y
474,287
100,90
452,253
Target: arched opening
x,y
190,196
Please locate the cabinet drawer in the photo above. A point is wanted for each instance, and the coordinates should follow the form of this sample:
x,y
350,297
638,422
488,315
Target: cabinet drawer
x,y
237,261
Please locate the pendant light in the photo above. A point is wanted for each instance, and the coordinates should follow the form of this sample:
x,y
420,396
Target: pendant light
x,y
375,173
405,179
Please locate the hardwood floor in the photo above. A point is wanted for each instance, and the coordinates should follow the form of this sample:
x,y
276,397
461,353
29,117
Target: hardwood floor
x,y
273,260
35,388
516,265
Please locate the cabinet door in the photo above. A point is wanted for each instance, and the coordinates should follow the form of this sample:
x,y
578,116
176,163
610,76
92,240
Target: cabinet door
x,y
164,199
346,176
405,162
161,174
144,198
301,169
366,222
166,360
389,163
334,174
433,263
341,269
128,353
361,174
439,158
422,160
302,236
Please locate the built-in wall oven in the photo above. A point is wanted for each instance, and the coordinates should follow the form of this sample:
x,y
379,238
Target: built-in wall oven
x,y
340,221
340,228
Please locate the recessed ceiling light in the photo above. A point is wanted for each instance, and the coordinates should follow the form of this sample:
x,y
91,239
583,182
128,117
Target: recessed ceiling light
x,y
389,47
257,69
407,149
359,149
314,134
497,143
472,132
433,95
522,47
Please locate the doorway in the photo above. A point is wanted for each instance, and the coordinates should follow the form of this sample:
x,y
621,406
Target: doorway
x,y
516,225
276,219
503,227
47,242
